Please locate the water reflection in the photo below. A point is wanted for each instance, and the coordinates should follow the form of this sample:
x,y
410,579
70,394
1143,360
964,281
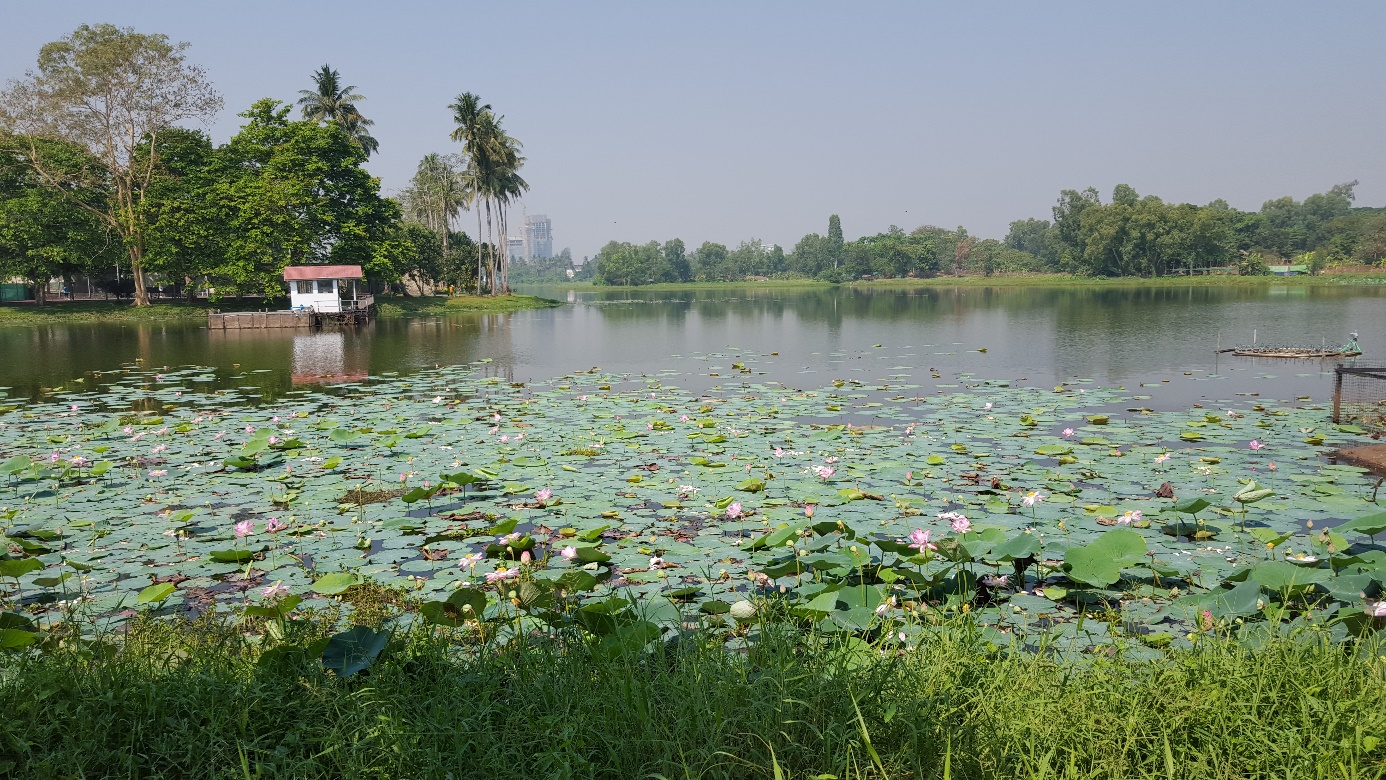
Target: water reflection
x,y
1041,336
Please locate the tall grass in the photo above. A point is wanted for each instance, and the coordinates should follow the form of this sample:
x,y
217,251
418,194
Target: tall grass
x,y
205,701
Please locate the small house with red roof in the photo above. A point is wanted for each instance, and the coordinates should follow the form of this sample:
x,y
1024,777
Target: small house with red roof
x,y
327,289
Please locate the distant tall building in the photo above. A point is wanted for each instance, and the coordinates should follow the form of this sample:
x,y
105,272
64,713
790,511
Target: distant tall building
x,y
538,237
515,247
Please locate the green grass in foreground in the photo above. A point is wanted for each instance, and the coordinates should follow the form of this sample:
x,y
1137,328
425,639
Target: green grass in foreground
x,y
200,700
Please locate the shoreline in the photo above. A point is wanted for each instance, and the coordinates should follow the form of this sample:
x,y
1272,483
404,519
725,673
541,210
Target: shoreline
x,y
1038,280
88,312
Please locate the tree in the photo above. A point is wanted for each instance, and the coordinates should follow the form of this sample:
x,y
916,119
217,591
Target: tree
x,y
330,101
835,240
295,192
494,162
676,260
43,233
437,193
108,90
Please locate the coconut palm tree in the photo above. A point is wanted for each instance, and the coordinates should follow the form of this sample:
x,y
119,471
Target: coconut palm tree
x,y
473,121
437,193
330,101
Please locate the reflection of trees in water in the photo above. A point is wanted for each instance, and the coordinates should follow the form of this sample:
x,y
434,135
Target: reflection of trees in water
x,y
457,339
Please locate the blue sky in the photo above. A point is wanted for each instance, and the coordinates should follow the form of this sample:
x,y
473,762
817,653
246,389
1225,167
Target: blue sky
x,y
726,121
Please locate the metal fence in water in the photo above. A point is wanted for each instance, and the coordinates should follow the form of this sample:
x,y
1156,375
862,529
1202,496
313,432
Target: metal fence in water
x,y
1359,395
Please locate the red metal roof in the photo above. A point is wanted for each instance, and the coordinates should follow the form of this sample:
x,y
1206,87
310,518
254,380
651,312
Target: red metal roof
x,y
295,272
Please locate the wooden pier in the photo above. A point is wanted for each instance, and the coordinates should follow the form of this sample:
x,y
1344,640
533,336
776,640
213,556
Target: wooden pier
x,y
302,318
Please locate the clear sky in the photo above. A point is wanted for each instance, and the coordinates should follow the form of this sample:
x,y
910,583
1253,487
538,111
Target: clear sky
x,y
726,121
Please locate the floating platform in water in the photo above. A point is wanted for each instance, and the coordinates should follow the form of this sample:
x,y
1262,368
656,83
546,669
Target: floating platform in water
x,y
299,318
1294,352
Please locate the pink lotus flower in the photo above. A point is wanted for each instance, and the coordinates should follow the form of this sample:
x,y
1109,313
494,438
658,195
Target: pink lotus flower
x,y
544,495
469,561
1162,457
1255,445
1270,466
504,439
1376,610
275,525
525,557
919,540
1130,517
582,398
830,459
275,592
510,539
961,525
54,457
569,552
128,430
274,419
160,448
996,581
987,408
519,435
779,452
219,434
1032,498
656,562
503,574
1068,432
244,528
824,472
808,510
683,419
73,407
250,429
734,510
79,461
158,472
273,440
909,475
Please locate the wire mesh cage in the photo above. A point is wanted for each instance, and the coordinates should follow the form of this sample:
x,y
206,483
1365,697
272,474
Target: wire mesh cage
x,y
1359,395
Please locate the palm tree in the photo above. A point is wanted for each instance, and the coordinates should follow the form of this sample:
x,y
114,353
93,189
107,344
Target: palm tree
x,y
471,117
492,174
329,102
437,193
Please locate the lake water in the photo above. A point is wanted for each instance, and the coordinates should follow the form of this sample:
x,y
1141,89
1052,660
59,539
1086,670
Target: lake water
x,y
1163,338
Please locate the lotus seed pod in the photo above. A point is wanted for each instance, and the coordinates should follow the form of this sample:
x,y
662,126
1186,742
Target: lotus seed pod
x,y
743,611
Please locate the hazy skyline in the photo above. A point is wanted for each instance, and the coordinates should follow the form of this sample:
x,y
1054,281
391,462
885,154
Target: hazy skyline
x,y
727,122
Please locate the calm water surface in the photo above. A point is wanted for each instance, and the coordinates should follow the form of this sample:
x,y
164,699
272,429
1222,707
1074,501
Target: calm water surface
x,y
1163,338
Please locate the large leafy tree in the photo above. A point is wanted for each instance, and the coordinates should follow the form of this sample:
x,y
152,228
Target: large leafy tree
x,y
43,232
330,101
283,192
110,91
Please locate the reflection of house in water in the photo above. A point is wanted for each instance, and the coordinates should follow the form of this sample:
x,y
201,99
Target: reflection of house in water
x,y
320,358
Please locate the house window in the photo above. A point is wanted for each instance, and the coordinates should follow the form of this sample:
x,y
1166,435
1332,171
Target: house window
x,y
305,287
325,287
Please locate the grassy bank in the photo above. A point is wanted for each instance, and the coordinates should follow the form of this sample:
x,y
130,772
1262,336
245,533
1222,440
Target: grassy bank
x,y
1064,280
122,311
202,701
457,304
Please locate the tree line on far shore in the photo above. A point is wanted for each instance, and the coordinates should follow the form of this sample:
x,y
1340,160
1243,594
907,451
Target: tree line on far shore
x,y
99,176
1128,235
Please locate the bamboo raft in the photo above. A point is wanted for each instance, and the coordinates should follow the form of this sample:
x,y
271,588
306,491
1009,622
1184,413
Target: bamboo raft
x,y
1293,352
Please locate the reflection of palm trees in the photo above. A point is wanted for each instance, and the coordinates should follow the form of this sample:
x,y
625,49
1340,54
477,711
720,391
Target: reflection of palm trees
x,y
329,101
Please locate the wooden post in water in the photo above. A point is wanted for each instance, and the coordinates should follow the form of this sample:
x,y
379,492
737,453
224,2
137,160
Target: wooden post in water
x,y
1338,395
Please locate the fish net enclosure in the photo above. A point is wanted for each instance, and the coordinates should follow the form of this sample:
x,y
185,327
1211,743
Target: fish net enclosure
x,y
1359,395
